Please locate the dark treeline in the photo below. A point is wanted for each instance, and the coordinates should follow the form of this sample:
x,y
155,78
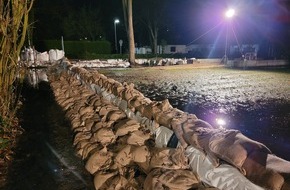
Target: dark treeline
x,y
165,22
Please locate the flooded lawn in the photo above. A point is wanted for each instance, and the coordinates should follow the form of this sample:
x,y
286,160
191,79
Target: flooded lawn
x,y
256,102
45,157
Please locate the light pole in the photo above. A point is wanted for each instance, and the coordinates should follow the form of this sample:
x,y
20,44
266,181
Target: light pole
x,y
229,14
116,21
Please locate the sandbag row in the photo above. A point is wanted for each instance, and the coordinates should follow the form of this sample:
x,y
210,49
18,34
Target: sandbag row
x,y
118,151
219,144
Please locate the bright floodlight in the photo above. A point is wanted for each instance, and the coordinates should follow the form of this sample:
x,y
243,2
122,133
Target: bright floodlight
x,y
230,13
221,122
116,21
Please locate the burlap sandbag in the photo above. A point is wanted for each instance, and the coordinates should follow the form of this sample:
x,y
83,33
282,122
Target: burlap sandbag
x,y
80,145
110,84
101,178
114,88
198,134
140,154
63,101
281,166
100,160
176,125
164,118
89,123
104,135
86,109
233,147
164,105
120,182
138,137
89,149
76,123
146,110
256,171
126,126
138,101
91,100
168,158
171,179
84,93
69,106
106,109
81,136
124,157
102,124
115,115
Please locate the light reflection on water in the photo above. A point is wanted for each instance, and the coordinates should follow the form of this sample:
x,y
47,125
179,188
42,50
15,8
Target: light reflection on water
x,y
35,76
265,121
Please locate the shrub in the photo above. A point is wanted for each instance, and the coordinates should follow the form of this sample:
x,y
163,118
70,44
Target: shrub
x,y
79,49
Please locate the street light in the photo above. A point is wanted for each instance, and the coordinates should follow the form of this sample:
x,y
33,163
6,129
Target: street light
x,y
229,14
116,21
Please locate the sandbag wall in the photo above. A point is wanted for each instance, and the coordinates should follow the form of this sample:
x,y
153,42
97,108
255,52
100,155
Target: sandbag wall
x,y
118,151
100,113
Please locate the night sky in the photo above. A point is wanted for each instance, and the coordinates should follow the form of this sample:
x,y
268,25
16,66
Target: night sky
x,y
183,21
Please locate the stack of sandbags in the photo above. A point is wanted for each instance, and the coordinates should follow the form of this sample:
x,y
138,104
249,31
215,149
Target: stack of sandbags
x,y
117,150
220,145
232,147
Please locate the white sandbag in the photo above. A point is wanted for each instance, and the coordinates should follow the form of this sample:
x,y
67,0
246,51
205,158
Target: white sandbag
x,y
224,177
42,57
55,55
59,54
52,55
31,54
162,136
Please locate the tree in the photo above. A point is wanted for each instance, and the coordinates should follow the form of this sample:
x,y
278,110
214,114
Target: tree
x,y
13,26
128,15
151,14
83,24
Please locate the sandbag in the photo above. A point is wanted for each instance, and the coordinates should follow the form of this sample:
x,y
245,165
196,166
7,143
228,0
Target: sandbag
x,y
171,179
169,158
99,160
233,147
256,171
101,178
224,176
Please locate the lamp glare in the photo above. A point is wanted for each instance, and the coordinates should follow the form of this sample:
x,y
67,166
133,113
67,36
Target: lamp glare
x,y
230,13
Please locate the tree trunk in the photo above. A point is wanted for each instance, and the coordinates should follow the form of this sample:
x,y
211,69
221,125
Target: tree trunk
x,y
153,29
131,34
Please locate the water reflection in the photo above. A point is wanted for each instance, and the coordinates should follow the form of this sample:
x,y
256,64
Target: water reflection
x,y
35,76
266,121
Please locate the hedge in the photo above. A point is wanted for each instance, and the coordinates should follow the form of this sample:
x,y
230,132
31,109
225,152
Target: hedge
x,y
79,49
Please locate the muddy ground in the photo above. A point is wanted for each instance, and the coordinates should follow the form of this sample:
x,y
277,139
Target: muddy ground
x,y
254,101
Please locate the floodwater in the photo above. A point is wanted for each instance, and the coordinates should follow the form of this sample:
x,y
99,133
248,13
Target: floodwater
x,y
45,158
256,102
